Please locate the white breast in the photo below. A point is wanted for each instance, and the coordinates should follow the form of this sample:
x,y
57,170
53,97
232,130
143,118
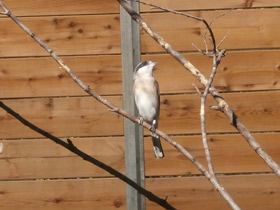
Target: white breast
x,y
146,98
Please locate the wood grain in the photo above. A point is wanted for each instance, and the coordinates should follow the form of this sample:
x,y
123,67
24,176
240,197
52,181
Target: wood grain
x,y
38,174
79,116
230,154
61,7
40,77
203,4
245,30
257,110
81,7
66,35
250,192
83,116
63,194
191,193
238,71
99,34
37,77
42,159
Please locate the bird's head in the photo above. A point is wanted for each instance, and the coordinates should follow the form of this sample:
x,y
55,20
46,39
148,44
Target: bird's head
x,y
145,68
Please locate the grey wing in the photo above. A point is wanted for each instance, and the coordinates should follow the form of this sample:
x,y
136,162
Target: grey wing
x,y
158,151
158,104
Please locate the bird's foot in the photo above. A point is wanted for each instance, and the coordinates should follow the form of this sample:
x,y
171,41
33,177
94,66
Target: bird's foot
x,y
141,120
153,129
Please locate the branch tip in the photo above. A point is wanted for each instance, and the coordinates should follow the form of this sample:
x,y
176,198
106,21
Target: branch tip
x,y
114,109
70,143
216,108
197,89
1,147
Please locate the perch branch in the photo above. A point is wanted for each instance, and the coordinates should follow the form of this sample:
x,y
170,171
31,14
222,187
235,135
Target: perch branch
x,y
216,61
212,90
87,89
71,147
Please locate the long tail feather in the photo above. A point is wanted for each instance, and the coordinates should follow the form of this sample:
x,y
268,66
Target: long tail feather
x,y
157,146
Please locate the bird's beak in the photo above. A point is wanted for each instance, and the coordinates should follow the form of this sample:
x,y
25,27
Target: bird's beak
x,y
154,63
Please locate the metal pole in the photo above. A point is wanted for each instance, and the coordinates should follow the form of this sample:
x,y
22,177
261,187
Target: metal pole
x,y
134,154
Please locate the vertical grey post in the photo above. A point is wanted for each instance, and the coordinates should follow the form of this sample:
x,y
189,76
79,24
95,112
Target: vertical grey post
x,y
134,154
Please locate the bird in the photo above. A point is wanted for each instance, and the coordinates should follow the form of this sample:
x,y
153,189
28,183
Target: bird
x,y
147,100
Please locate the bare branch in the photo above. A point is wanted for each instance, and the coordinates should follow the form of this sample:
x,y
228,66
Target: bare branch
x,y
220,15
201,51
205,44
216,108
1,147
197,90
186,15
204,135
71,147
216,61
223,39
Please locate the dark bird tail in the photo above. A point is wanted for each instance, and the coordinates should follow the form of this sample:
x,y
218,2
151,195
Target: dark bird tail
x,y
157,146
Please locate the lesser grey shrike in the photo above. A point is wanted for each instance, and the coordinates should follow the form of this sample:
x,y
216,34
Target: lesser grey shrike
x,y
147,99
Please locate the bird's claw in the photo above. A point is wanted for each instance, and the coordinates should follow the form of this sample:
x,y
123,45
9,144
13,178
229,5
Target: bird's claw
x,y
152,129
141,120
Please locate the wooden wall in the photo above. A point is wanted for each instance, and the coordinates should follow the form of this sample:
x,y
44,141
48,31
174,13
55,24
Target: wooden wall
x,y
38,174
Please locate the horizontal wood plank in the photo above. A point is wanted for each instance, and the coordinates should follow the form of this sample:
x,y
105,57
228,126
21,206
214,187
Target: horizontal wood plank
x,y
230,154
257,110
245,30
250,192
190,193
84,116
40,77
42,159
61,7
81,7
37,77
79,116
63,194
100,34
204,4
66,35
238,71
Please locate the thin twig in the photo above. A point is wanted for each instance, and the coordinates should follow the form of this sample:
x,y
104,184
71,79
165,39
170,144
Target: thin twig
x,y
220,15
186,15
1,148
199,50
203,97
223,39
216,55
197,89
71,147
